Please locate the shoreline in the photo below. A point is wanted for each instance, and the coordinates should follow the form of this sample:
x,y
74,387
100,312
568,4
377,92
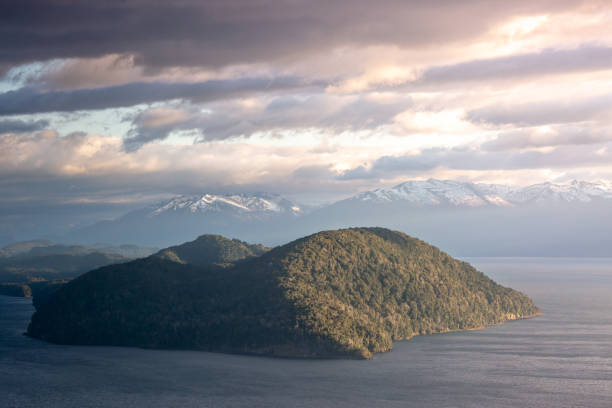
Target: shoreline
x,y
331,356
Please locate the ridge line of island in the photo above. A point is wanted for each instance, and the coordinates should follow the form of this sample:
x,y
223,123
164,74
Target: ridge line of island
x,y
335,294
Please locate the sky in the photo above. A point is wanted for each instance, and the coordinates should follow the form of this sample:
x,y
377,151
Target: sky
x,y
108,105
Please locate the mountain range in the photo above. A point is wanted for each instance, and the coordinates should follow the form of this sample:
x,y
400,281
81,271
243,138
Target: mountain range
x,y
455,193
546,219
258,205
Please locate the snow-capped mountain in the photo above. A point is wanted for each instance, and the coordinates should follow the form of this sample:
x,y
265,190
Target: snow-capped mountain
x,y
437,192
240,204
251,217
575,191
547,219
430,192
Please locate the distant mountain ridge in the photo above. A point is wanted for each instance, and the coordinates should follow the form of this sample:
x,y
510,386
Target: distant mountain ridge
x,y
22,247
186,217
258,204
546,219
456,193
419,192
43,247
36,261
470,219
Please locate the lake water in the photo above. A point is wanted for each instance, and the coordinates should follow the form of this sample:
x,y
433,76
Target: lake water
x,y
561,359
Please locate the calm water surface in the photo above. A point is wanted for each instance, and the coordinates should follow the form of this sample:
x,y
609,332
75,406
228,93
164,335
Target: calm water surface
x,y
561,359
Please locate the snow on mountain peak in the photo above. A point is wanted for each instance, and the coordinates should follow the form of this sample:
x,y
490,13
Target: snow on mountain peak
x,y
580,191
430,192
436,192
234,203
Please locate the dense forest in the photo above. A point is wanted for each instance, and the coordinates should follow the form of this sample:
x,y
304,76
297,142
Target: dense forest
x,y
211,250
343,293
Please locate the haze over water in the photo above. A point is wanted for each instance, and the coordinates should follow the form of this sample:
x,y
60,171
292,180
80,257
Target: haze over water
x,y
561,359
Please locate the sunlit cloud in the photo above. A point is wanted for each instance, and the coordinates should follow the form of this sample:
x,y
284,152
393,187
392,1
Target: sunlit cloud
x,y
312,99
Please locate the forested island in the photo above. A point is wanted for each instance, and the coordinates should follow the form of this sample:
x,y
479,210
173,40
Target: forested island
x,y
334,294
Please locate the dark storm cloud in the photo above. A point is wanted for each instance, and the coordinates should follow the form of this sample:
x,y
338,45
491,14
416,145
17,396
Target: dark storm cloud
x,y
219,33
22,126
586,58
30,100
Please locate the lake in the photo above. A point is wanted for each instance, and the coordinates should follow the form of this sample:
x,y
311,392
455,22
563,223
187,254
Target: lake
x,y
561,359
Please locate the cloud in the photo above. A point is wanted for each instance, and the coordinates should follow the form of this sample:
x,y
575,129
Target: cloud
x,y
386,166
315,172
31,100
404,73
22,126
73,73
94,162
301,97
51,182
221,33
160,117
561,110
548,61
479,160
231,119
546,136
93,174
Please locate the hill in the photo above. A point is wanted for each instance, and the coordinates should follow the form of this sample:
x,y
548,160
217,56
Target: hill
x,y
19,248
37,268
345,293
56,266
210,250
42,260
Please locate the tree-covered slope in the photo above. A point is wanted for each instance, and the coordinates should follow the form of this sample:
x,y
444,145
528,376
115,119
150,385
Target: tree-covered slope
x,y
344,293
364,288
35,261
209,250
